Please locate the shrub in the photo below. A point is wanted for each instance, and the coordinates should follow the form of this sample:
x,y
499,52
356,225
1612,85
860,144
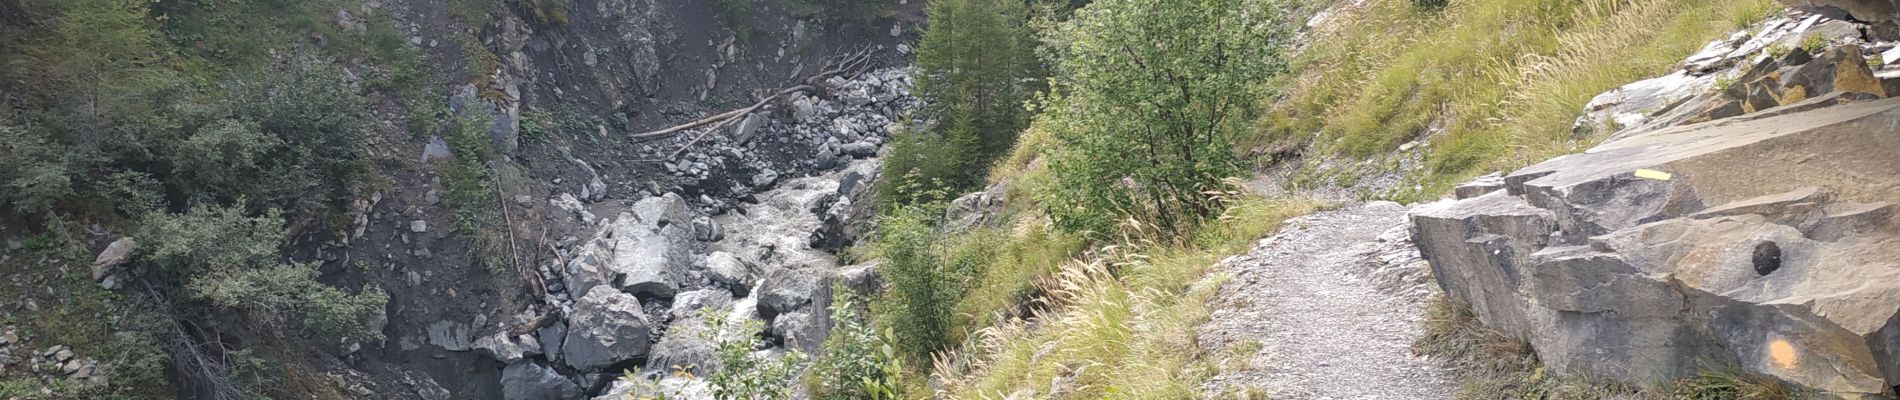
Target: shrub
x,y
1431,4
470,184
924,287
855,364
230,259
319,118
744,375
32,172
1148,95
210,239
275,296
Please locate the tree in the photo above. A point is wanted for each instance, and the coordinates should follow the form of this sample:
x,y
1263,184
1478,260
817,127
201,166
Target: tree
x,y
1146,99
975,67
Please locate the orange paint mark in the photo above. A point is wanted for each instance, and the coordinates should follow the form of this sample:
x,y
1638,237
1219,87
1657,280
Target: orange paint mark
x,y
1782,353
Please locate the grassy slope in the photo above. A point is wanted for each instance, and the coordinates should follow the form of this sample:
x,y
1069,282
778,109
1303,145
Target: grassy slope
x,y
1503,79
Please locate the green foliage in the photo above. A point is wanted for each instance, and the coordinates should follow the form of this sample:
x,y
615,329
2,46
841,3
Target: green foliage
x,y
211,239
110,121
1147,98
296,133
855,364
542,126
1728,384
469,184
926,283
32,170
275,296
1431,4
744,375
230,259
1814,43
975,67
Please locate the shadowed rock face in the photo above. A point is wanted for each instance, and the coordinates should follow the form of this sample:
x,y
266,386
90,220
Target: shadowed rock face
x,y
1770,245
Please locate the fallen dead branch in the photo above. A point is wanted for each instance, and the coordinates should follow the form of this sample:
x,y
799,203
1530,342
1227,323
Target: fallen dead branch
x,y
853,63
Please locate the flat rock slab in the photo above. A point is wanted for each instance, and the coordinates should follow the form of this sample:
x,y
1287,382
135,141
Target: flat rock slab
x,y
1305,298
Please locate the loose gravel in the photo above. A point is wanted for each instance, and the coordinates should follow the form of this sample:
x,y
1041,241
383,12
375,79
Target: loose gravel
x,y
1332,303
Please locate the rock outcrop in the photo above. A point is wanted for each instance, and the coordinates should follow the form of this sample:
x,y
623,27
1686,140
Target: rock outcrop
x,y
1775,65
1769,241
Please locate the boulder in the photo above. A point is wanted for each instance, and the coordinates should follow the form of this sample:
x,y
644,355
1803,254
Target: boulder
x,y
685,347
607,327
689,305
1479,187
863,279
552,337
645,252
532,381
748,127
803,330
451,335
727,270
1763,241
787,290
508,349
114,255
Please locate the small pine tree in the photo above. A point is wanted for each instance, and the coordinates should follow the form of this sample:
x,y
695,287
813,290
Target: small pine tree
x,y
975,68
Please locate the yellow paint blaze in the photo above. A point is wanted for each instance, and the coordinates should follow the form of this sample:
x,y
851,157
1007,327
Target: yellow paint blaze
x,y
1652,174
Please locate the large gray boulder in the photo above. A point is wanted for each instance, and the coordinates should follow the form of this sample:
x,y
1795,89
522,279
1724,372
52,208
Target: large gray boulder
x,y
1765,241
531,381
647,251
606,327
685,347
727,270
787,290
803,330
508,348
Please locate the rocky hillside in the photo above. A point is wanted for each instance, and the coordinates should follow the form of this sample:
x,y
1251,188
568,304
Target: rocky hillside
x,y
1740,217
537,260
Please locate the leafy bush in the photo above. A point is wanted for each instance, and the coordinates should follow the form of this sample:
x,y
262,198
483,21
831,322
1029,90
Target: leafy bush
x,y
1431,4
1148,96
925,285
855,364
744,375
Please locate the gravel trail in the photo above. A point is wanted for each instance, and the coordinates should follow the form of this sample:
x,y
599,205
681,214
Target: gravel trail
x,y
1332,303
